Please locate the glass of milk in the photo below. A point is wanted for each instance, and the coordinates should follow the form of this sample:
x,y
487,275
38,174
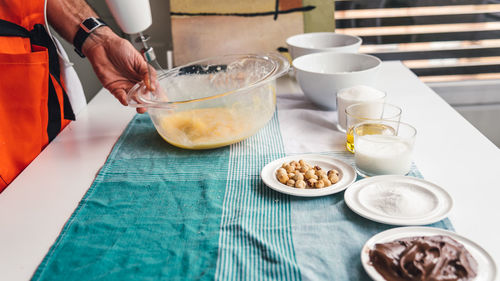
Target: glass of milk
x,y
383,153
352,95
370,111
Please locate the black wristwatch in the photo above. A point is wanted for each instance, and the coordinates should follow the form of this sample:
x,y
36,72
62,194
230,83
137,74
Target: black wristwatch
x,y
86,27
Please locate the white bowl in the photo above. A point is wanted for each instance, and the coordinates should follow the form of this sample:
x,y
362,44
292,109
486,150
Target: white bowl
x,y
308,43
321,75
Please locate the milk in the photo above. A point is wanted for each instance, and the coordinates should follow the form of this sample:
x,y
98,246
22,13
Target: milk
x,y
383,155
356,94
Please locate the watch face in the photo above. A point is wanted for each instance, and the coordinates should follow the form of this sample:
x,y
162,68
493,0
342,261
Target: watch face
x,y
90,24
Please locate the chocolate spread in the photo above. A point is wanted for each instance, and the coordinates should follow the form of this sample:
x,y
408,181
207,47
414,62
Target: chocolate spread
x,y
423,258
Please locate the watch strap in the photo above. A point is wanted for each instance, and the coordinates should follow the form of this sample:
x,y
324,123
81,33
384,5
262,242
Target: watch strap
x,y
86,27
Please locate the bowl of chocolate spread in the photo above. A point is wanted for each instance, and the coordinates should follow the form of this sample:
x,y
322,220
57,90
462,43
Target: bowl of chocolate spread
x,y
426,253
423,258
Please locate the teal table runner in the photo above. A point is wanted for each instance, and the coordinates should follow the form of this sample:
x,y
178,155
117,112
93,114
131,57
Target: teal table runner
x,y
156,212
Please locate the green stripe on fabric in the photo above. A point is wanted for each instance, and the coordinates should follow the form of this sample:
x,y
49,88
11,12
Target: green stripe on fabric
x,y
255,241
152,213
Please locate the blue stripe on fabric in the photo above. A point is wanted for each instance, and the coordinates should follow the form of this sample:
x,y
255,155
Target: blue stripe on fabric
x,y
153,213
255,241
328,236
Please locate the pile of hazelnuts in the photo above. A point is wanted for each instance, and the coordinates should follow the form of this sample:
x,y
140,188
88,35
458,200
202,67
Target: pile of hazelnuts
x,y
303,175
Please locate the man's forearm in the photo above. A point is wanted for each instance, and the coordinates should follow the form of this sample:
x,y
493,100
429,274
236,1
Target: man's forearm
x,y
66,15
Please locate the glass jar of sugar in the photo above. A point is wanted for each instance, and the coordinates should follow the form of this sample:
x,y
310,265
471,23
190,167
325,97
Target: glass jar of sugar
x,y
382,153
352,95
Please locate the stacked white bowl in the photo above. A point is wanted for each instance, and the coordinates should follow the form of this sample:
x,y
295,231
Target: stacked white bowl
x,y
325,62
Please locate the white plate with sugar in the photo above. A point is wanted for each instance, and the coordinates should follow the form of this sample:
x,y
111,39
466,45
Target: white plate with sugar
x,y
347,175
398,200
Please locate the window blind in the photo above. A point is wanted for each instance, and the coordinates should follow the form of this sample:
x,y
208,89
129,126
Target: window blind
x,y
439,40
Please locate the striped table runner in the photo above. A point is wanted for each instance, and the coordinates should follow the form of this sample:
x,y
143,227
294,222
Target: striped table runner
x,y
156,212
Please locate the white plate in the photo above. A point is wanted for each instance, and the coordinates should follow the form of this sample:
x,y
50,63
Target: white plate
x,y
347,175
486,270
423,202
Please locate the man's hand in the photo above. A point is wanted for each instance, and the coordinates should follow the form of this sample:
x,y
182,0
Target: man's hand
x,y
117,63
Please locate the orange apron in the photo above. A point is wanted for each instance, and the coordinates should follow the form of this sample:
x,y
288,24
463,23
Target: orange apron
x,y
34,106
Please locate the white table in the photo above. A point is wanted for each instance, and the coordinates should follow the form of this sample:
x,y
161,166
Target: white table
x,y
450,152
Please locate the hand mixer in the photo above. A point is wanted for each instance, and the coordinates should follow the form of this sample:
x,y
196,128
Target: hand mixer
x,y
133,17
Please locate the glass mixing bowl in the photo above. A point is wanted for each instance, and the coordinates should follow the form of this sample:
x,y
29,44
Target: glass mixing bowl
x,y
213,102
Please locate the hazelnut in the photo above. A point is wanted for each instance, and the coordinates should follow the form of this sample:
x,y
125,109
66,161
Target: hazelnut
x,y
331,172
300,184
298,176
333,178
283,178
304,168
289,168
311,182
320,173
319,184
309,174
281,171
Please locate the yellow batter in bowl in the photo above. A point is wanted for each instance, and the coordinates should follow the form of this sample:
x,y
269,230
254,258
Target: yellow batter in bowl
x,y
213,102
204,128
